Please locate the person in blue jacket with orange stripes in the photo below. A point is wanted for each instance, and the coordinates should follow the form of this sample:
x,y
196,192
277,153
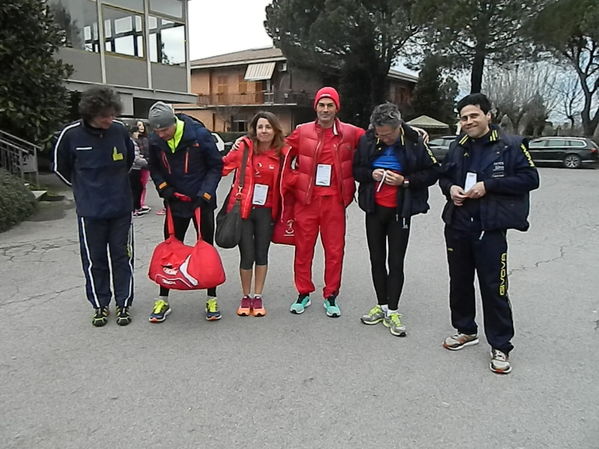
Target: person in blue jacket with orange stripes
x,y
185,166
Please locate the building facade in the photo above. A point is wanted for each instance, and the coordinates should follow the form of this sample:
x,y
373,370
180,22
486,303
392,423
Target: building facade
x,y
139,49
231,88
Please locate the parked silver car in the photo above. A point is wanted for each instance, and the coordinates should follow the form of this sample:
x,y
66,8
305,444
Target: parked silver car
x,y
440,146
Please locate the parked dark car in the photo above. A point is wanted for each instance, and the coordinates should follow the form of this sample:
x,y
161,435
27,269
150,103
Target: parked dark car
x,y
570,152
440,146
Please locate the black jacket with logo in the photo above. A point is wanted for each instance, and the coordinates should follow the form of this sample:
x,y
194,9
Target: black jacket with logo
x,y
506,169
96,163
420,169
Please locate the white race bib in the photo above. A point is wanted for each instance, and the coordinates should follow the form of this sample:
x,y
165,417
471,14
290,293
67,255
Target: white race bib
x,y
470,181
323,175
260,194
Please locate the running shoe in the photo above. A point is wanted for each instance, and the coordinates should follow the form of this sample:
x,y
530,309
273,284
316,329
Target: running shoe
x,y
393,322
245,306
331,307
123,317
160,311
374,315
299,306
459,341
500,362
212,311
258,306
99,318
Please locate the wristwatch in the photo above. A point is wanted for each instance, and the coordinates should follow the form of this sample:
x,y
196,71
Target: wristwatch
x,y
406,183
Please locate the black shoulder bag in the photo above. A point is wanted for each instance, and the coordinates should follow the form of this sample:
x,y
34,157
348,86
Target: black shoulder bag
x,y
228,224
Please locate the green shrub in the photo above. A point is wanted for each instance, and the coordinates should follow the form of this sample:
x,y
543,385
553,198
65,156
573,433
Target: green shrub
x,y
16,200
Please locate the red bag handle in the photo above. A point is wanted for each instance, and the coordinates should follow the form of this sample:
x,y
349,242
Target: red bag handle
x,y
170,225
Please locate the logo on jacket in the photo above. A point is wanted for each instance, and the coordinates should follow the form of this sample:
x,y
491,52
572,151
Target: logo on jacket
x,y
116,156
498,169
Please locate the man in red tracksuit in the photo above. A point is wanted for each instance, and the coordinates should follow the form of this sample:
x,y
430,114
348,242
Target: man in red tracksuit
x,y
323,186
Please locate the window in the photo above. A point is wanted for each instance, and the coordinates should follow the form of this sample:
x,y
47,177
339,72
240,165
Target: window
x,y
79,21
129,4
556,143
538,143
172,8
239,126
123,32
575,143
167,41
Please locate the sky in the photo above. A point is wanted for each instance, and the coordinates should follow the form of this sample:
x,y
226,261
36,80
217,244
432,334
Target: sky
x,y
224,26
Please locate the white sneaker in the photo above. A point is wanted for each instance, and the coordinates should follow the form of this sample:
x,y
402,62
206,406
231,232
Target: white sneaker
x,y
459,340
499,362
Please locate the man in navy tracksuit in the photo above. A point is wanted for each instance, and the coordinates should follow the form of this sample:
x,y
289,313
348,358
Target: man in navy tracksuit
x,y
487,177
94,155
186,167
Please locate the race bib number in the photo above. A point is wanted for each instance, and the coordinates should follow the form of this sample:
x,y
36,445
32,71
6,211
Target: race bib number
x,y
260,194
470,181
323,175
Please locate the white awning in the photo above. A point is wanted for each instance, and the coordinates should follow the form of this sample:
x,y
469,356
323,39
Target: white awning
x,y
257,72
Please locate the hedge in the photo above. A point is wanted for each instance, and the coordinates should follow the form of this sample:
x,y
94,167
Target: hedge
x,y
16,200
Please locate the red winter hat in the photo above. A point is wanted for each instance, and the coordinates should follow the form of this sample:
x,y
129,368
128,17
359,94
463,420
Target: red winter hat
x,y
327,92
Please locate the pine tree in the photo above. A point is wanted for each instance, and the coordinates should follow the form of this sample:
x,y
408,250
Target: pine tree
x,y
435,95
353,42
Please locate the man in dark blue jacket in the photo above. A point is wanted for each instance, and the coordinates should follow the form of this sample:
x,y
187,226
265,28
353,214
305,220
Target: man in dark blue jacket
x,y
186,167
94,155
487,177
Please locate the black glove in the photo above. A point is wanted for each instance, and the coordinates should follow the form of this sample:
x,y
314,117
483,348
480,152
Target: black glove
x,y
168,193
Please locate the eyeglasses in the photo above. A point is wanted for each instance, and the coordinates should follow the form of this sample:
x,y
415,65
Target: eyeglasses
x,y
385,135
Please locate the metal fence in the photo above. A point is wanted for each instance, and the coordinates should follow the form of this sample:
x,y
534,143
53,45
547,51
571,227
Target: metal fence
x,y
18,156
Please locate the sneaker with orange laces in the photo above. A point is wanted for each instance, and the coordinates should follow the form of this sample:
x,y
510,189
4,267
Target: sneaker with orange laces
x,y
258,306
245,306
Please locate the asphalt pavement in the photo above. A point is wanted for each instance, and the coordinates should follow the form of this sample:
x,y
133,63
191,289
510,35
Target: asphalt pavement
x,y
307,381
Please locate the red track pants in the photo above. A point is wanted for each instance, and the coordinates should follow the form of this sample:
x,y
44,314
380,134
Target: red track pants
x,y
327,215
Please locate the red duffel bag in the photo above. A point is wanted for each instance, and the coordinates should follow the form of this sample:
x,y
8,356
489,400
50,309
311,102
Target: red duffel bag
x,y
177,266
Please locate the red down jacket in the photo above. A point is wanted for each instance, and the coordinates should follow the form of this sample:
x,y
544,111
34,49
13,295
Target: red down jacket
x,y
234,159
306,145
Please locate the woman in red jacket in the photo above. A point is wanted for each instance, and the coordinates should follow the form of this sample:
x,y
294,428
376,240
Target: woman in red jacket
x,y
260,202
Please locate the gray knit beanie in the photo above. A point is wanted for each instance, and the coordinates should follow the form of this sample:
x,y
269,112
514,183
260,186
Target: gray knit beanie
x,y
161,115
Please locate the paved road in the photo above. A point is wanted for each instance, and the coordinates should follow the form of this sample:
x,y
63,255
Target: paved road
x,y
306,381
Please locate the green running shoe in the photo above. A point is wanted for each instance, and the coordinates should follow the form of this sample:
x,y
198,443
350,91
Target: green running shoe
x,y
212,311
374,315
160,311
393,322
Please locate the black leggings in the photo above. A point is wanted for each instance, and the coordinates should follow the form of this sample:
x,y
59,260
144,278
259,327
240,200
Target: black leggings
x,y
256,233
382,226
206,228
136,187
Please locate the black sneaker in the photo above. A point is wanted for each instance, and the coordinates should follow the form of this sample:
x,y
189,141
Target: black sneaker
x,y
123,317
99,318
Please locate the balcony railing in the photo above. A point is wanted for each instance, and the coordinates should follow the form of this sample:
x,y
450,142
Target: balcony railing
x,y
255,98
18,156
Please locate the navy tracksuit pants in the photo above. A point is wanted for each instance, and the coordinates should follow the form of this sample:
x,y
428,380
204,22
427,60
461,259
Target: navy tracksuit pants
x,y
107,246
485,253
